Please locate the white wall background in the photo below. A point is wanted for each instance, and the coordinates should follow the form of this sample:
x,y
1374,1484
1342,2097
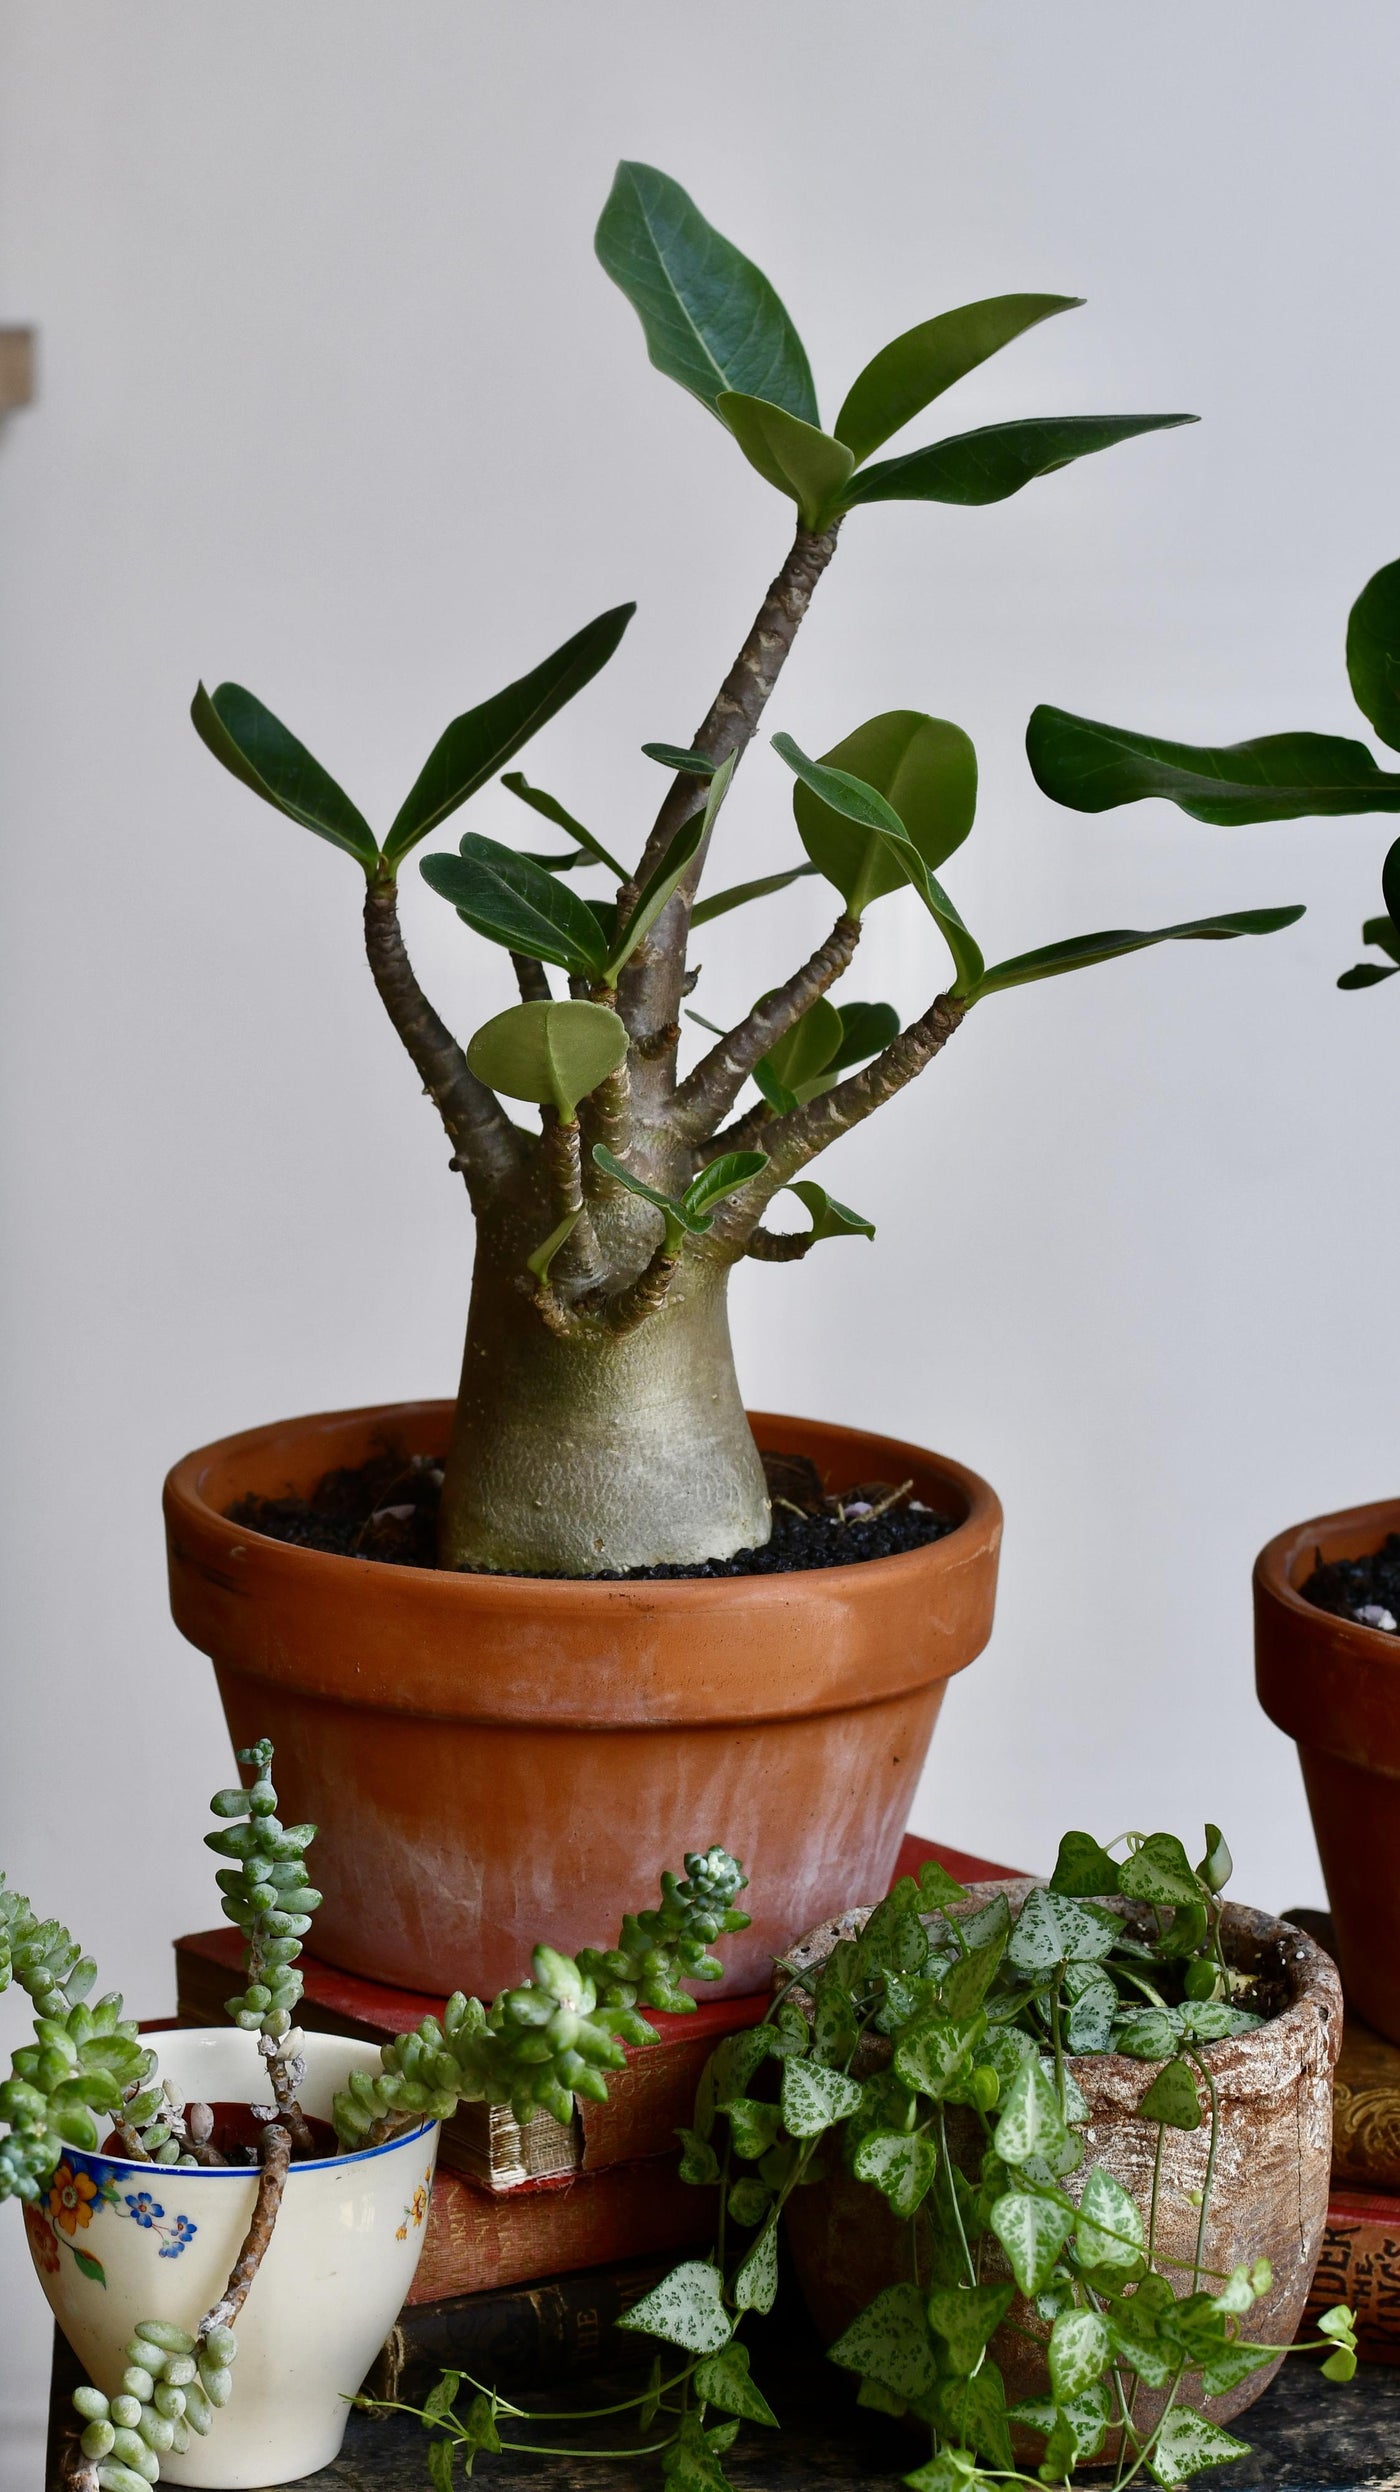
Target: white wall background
x,y
334,401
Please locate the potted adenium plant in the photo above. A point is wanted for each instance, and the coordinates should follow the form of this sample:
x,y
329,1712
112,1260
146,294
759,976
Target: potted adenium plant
x,y
235,2171
1326,1592
1053,2164
631,1623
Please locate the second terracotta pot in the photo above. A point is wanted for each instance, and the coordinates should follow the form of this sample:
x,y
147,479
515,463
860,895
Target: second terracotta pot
x,y
1334,1686
494,1760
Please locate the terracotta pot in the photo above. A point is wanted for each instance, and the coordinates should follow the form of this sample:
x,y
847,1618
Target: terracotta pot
x,y
495,1760
1268,2196
1335,1688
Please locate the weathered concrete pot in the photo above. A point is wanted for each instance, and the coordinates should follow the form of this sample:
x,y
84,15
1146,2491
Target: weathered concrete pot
x,y
495,1760
1334,1686
1268,2197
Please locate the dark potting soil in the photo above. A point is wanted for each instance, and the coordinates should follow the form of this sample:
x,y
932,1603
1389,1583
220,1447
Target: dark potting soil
x,y
237,2132
1365,1588
386,1509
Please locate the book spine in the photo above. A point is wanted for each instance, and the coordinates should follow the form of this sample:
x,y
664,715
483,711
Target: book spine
x,y
524,2338
1360,2265
478,2239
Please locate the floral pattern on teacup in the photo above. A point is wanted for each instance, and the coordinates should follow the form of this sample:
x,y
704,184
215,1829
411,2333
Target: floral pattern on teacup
x,y
80,2190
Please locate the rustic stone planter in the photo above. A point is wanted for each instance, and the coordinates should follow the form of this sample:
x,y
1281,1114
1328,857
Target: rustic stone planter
x,y
1268,2197
495,1760
1334,1686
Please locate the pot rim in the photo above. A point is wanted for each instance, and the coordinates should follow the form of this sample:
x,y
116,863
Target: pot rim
x,y
185,1501
204,2036
1280,1561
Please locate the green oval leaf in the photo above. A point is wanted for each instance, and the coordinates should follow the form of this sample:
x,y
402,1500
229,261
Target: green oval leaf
x,y
829,1218
1366,973
682,758
721,902
256,748
1373,652
721,1178
554,1053
904,378
1082,951
925,769
515,902
1091,767
711,319
998,459
859,867
866,1030
807,1048
472,749
801,461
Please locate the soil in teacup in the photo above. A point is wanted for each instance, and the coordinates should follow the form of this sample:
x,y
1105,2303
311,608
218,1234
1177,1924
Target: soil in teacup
x,y
386,1509
238,2131
1366,1589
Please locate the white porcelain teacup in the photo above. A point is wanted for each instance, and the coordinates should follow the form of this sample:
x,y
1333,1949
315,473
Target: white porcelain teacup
x,y
115,2242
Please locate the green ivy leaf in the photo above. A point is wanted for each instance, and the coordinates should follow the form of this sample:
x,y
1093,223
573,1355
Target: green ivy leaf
x,y
966,1983
998,459
1236,2363
256,748
1089,766
755,2282
924,768
1172,2097
1109,2232
815,2096
512,901
1089,2024
890,2342
552,1053
933,2055
967,2317
753,2126
686,2308
1158,1872
1030,2125
699,2164
711,319
835,2029
442,2456
748,2201
1149,2033
1073,2432
901,2166
1187,2443
723,2380
1032,2231
974,2411
803,462
472,749
914,369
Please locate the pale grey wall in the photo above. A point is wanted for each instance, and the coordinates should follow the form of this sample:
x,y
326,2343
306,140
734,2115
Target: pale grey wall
x,y
334,401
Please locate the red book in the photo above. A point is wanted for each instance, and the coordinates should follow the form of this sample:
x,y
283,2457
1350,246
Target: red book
x,y
648,2100
1360,2264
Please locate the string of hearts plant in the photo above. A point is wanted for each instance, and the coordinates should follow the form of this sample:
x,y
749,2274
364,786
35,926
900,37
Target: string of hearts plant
x,y
539,2046
970,2128
599,1422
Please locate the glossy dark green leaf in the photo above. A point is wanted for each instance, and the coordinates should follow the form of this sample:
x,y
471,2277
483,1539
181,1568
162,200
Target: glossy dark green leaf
x,y
924,768
553,1053
986,466
1366,973
1082,951
806,1049
711,319
904,378
829,1218
1390,881
1085,764
720,1178
542,802
804,463
721,902
256,748
866,1030
504,896
472,749
683,758
1384,932
1373,652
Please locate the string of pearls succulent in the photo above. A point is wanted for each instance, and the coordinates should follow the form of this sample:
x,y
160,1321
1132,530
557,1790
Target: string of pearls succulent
x,y
173,2385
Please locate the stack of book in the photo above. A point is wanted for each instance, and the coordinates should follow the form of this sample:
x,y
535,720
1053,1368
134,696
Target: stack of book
x,y
538,2237
1360,2261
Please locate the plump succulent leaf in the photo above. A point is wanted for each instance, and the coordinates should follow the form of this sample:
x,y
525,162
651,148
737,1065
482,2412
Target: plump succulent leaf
x,y
711,319
256,748
473,748
998,459
914,369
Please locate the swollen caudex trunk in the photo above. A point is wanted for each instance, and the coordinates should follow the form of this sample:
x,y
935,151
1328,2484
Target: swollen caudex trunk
x,y
599,1451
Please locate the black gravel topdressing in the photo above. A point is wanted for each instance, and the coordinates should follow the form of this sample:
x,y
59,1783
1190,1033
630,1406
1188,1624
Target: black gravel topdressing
x,y
386,1509
1366,1589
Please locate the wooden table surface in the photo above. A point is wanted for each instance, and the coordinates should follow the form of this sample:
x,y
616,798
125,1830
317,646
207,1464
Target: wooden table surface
x,y
1306,2435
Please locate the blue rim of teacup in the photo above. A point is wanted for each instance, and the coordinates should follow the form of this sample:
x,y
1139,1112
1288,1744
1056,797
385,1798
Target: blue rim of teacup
x,y
247,2171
